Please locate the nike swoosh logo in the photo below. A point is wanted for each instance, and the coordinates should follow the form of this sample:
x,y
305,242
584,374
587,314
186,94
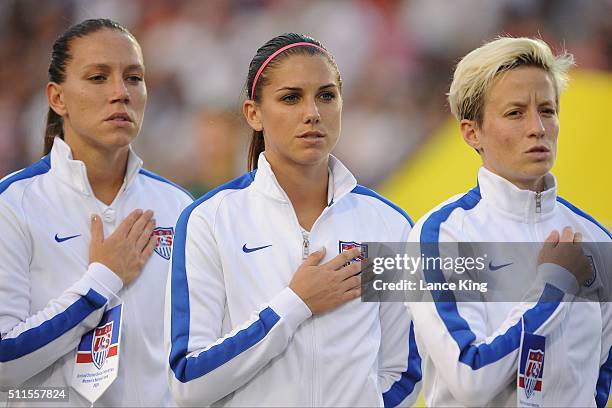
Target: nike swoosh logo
x,y
58,239
496,267
249,250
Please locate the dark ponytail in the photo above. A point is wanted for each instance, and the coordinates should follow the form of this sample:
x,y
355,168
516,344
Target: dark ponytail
x,y
60,56
257,140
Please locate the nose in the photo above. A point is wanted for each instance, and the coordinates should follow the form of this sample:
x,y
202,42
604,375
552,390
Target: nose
x,y
536,125
120,92
312,115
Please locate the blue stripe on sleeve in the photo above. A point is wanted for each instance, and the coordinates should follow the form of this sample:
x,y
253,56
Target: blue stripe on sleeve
x,y
40,167
477,356
371,193
581,213
603,382
219,354
405,385
37,337
186,369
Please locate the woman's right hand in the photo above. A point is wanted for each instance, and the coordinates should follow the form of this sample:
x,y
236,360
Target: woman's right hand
x,y
327,286
566,250
128,248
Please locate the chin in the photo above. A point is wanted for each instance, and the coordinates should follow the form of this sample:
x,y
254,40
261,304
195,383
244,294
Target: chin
x,y
534,172
312,157
118,139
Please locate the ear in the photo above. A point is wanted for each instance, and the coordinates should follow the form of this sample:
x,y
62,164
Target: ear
x,y
471,133
251,113
55,97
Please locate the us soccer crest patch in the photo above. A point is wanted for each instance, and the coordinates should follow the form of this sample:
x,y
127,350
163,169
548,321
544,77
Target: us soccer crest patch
x,y
97,356
531,370
348,245
164,236
101,344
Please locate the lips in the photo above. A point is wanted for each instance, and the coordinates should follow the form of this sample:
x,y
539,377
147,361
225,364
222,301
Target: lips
x,y
539,153
538,149
311,134
119,117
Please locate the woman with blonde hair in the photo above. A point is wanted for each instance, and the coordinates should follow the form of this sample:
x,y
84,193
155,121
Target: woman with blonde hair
x,y
549,349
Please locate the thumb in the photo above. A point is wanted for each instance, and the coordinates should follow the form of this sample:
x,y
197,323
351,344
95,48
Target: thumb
x,y
97,232
315,258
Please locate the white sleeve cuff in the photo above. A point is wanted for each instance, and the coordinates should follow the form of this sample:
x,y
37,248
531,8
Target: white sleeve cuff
x,y
103,279
291,308
559,277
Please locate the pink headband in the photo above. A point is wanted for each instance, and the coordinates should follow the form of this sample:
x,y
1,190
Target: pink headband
x,y
271,57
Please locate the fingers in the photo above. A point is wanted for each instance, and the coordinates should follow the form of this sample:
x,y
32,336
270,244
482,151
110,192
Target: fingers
x,y
567,235
148,249
577,238
351,294
139,226
97,231
144,238
127,224
349,270
351,283
344,258
553,238
314,258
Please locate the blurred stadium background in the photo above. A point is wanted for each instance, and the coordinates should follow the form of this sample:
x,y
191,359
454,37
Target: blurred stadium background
x,y
396,59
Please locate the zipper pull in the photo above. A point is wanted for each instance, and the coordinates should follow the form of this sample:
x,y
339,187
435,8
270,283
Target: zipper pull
x,y
538,199
305,246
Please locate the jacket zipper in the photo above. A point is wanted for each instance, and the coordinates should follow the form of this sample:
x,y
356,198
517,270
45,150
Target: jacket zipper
x,y
538,200
305,245
305,254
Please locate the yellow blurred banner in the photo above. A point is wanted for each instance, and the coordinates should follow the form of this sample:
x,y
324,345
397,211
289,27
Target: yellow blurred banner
x,y
445,165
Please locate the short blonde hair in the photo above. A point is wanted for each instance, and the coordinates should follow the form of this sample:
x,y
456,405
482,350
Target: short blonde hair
x,y
476,71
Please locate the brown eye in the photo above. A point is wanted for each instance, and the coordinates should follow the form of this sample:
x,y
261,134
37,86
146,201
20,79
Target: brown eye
x,y
134,78
549,111
97,78
291,98
327,96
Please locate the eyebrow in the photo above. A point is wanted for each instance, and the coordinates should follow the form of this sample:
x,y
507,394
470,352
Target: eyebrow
x,y
107,67
289,88
521,104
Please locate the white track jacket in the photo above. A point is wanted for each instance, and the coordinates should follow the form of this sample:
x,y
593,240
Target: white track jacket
x,y
238,336
49,294
470,350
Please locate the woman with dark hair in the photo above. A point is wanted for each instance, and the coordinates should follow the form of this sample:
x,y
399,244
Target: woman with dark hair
x,y
80,285
254,316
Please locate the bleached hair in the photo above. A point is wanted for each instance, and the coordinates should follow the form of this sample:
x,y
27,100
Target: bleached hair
x,y
477,71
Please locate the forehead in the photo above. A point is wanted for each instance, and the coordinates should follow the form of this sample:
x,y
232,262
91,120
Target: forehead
x,y
106,46
302,70
522,84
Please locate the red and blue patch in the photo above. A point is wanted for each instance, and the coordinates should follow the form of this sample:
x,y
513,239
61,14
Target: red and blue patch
x,y
163,246
531,369
101,343
348,245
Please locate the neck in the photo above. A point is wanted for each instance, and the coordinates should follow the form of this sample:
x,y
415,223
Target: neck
x,y
533,185
536,185
106,169
306,187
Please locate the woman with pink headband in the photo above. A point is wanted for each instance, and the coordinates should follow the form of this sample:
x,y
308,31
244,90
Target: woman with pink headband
x,y
263,305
